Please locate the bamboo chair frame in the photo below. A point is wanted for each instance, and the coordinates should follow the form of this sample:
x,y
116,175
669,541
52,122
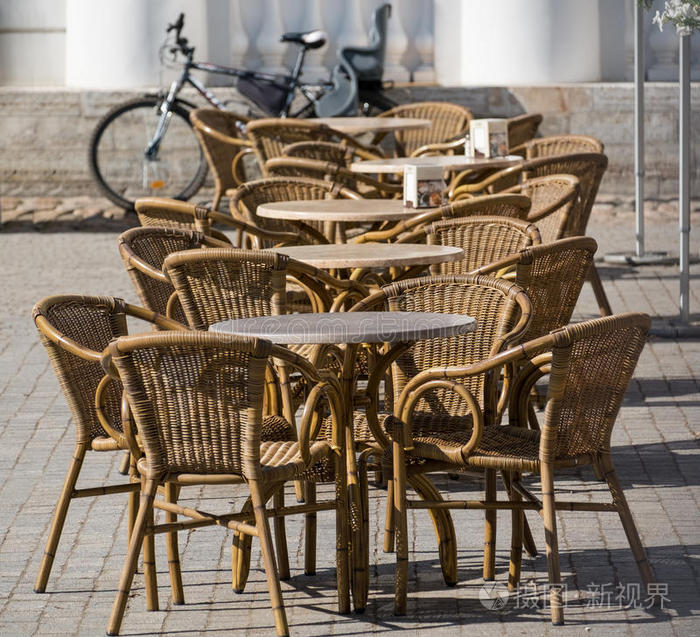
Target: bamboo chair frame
x,y
237,455
577,430
483,239
413,230
449,125
74,329
365,185
269,136
503,312
558,145
589,168
246,199
171,213
220,134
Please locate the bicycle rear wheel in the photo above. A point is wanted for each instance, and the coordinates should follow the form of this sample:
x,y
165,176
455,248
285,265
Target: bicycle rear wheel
x,y
120,166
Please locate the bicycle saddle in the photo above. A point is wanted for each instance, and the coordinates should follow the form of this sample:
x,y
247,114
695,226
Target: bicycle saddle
x,y
308,39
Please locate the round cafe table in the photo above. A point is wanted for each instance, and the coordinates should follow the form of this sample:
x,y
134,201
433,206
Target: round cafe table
x,y
448,162
360,125
339,210
350,330
372,255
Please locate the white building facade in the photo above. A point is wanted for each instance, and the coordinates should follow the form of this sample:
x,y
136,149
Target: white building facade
x,y
113,44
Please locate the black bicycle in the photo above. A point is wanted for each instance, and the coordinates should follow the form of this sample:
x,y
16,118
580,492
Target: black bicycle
x,y
146,146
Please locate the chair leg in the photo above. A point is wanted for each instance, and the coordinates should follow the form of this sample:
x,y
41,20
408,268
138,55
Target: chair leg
x,y
342,535
257,496
172,492
490,517
281,536
59,517
149,565
362,474
125,463
148,492
528,541
133,498
623,509
550,534
310,530
516,541
240,555
599,291
400,525
388,546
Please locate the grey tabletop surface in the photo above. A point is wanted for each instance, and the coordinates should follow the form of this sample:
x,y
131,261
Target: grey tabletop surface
x,y
350,327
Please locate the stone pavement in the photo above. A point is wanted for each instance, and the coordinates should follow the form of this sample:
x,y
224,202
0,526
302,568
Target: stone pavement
x,y
655,448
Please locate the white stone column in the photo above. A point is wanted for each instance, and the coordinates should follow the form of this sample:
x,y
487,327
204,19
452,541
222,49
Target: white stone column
x,y
110,44
397,42
516,42
333,18
268,42
425,43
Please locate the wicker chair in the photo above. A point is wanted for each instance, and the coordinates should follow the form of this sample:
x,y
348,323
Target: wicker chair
x,y
335,152
523,128
413,230
589,169
590,365
143,251
211,386
170,213
502,311
483,239
246,199
365,185
558,145
74,330
269,137
221,135
449,125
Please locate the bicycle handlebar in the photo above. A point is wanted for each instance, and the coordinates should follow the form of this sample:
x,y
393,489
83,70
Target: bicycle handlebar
x,y
179,40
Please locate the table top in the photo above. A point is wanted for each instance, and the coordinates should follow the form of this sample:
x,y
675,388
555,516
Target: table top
x,y
350,327
372,255
339,210
454,162
358,125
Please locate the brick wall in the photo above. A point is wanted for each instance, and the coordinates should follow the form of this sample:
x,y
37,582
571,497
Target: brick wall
x,y
44,132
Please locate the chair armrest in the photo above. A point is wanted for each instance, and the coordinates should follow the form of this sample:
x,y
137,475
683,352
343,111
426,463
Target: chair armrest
x,y
438,148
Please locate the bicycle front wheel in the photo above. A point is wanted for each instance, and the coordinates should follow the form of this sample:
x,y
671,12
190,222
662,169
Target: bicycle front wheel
x,y
119,163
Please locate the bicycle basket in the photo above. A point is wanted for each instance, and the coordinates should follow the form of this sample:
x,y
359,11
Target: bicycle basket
x,y
269,96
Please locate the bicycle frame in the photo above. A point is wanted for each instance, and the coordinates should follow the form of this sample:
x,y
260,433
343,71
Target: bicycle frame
x,y
292,82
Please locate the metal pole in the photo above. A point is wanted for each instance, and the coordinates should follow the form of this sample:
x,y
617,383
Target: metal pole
x,y
684,177
639,130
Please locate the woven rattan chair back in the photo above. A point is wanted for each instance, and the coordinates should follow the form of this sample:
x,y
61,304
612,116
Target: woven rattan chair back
x,y
447,121
552,276
500,308
246,199
322,151
270,136
561,145
222,137
498,205
592,365
171,213
483,239
216,285
196,399
553,197
589,168
143,251
74,330
523,128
